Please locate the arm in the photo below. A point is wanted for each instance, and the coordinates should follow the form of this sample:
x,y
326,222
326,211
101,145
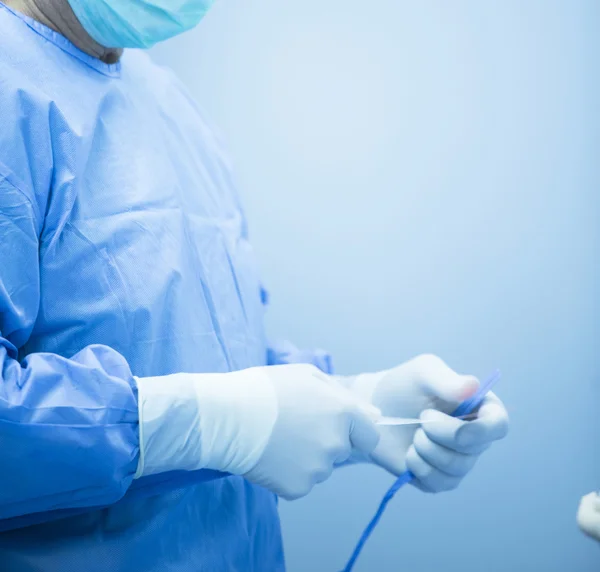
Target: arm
x,y
283,352
68,427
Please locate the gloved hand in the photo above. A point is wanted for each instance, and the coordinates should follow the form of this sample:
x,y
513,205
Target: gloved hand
x,y
438,454
588,515
282,427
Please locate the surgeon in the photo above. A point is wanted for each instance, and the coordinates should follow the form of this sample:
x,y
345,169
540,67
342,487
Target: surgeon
x,y
146,424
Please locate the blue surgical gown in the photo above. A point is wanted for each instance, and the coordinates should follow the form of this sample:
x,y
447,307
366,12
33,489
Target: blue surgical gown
x,y
123,251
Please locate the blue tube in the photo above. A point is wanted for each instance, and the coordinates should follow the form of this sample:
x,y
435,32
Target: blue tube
x,y
466,407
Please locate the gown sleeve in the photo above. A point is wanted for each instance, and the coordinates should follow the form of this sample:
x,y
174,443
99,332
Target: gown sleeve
x,y
68,427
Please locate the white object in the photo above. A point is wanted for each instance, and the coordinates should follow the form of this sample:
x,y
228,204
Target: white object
x,y
438,449
395,421
588,515
282,427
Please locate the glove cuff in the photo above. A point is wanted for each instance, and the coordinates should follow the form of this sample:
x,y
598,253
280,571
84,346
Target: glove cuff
x,y
204,421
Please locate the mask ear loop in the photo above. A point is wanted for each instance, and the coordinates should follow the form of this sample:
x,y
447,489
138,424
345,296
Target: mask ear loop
x,y
465,408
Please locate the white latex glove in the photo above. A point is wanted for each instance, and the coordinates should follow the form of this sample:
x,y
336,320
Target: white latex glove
x,y
282,427
438,454
588,515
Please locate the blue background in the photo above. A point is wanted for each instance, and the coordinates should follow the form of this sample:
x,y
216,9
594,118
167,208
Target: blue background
x,y
424,177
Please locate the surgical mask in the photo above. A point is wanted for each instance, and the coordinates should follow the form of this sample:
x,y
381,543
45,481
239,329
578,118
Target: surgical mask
x,y
137,23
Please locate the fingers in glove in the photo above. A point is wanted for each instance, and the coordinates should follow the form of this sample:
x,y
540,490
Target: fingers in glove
x,y
362,431
429,478
441,382
492,415
364,434
469,437
445,460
